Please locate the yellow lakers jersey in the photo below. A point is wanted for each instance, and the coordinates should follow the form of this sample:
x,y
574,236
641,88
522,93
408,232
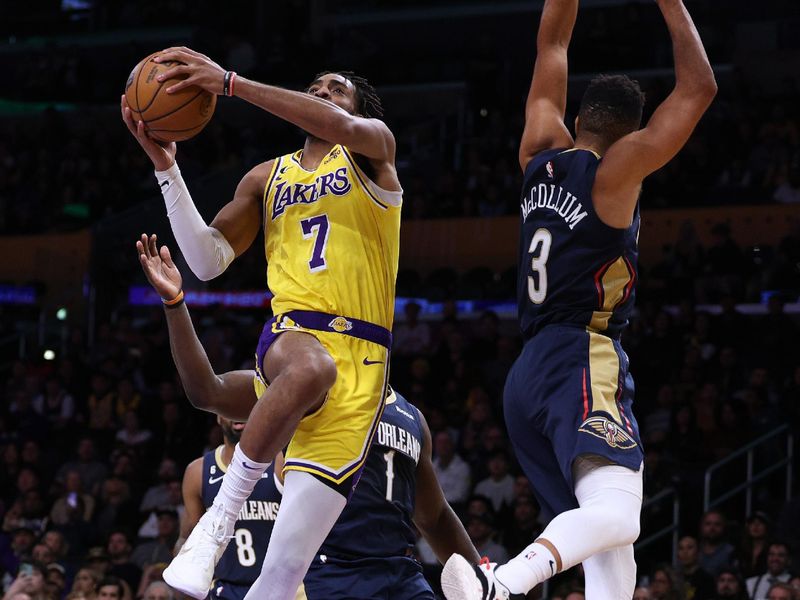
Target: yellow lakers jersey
x,y
332,239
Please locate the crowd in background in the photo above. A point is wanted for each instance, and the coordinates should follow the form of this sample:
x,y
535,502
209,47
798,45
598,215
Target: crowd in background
x,y
93,444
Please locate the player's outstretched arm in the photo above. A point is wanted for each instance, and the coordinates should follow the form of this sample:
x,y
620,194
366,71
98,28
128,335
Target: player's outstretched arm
x,y
317,116
231,394
633,157
547,98
433,516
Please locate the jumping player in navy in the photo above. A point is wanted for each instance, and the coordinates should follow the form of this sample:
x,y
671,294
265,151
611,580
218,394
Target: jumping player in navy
x,y
568,396
368,553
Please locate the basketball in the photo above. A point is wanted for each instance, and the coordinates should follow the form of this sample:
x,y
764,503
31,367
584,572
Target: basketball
x,y
167,117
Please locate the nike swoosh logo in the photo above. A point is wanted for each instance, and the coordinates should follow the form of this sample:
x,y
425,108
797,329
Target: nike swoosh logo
x,y
246,466
372,362
213,480
164,183
552,568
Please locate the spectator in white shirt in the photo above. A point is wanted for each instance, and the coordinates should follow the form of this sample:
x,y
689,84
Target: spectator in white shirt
x,y
451,470
777,572
499,486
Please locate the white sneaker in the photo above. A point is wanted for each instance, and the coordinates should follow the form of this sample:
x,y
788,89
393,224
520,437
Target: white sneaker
x,y
192,570
461,580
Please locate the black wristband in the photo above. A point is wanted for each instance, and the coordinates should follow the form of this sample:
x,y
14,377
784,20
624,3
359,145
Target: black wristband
x,y
227,90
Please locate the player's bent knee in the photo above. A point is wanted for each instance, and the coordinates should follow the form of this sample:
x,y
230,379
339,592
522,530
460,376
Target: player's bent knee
x,y
621,527
313,374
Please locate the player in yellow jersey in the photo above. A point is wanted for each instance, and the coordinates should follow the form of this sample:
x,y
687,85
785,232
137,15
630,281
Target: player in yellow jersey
x,y
331,218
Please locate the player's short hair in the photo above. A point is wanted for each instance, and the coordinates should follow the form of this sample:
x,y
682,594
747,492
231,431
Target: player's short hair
x,y
611,107
368,103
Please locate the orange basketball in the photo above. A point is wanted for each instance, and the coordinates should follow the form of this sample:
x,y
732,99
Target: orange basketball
x,y
167,117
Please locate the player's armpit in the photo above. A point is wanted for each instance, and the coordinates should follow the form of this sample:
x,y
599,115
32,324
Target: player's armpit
x,y
240,220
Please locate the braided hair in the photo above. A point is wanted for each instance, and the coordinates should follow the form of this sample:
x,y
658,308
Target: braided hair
x,y
368,103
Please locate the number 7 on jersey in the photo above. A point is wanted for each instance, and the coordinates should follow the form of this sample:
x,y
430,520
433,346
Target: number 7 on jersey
x,y
316,226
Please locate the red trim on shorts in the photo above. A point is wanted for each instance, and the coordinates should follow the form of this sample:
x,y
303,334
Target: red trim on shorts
x,y
585,397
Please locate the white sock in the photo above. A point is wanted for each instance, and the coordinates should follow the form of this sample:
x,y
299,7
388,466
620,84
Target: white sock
x,y
309,509
534,564
241,477
610,499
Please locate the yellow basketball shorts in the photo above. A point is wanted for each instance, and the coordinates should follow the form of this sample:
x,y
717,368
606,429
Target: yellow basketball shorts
x,y
332,442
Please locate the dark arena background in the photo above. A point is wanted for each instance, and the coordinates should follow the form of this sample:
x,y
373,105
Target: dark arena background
x,y
95,429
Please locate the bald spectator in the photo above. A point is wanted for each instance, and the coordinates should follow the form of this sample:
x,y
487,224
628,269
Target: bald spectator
x,y
158,590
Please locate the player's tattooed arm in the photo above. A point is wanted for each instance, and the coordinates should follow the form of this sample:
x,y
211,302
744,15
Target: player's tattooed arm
x,y
231,394
433,516
547,98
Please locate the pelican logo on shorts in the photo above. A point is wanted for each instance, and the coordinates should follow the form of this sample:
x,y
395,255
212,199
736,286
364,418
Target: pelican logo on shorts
x,y
607,430
340,325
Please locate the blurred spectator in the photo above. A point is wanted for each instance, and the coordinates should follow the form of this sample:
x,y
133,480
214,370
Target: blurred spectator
x,y
524,526
411,337
110,588
666,584
68,503
729,586
119,551
86,582
158,494
699,583
758,586
752,552
451,470
642,593
781,591
715,552
91,471
158,550
481,531
30,582
499,486
158,590
56,582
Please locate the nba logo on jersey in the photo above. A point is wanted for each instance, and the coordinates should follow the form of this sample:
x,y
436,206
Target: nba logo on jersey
x,y
549,167
340,325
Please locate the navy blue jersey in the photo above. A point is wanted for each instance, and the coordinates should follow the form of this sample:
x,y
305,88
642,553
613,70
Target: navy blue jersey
x,y
241,561
574,269
377,520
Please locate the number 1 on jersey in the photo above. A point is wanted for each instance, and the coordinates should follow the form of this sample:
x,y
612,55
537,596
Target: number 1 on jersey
x,y
537,291
316,226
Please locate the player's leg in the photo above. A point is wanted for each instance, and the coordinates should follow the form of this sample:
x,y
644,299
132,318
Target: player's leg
x,y
610,498
309,509
300,372
612,572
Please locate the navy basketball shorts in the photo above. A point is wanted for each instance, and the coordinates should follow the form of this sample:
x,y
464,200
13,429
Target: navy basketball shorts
x,y
393,578
569,393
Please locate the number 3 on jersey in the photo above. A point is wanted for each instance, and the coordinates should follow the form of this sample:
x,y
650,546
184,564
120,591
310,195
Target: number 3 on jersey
x,y
316,227
540,248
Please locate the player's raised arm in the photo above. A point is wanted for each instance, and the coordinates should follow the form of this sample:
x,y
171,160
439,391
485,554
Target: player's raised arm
x,y
433,516
636,155
547,98
314,112
230,395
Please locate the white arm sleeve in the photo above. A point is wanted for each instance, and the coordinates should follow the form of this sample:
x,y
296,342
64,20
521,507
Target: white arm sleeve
x,y
205,249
